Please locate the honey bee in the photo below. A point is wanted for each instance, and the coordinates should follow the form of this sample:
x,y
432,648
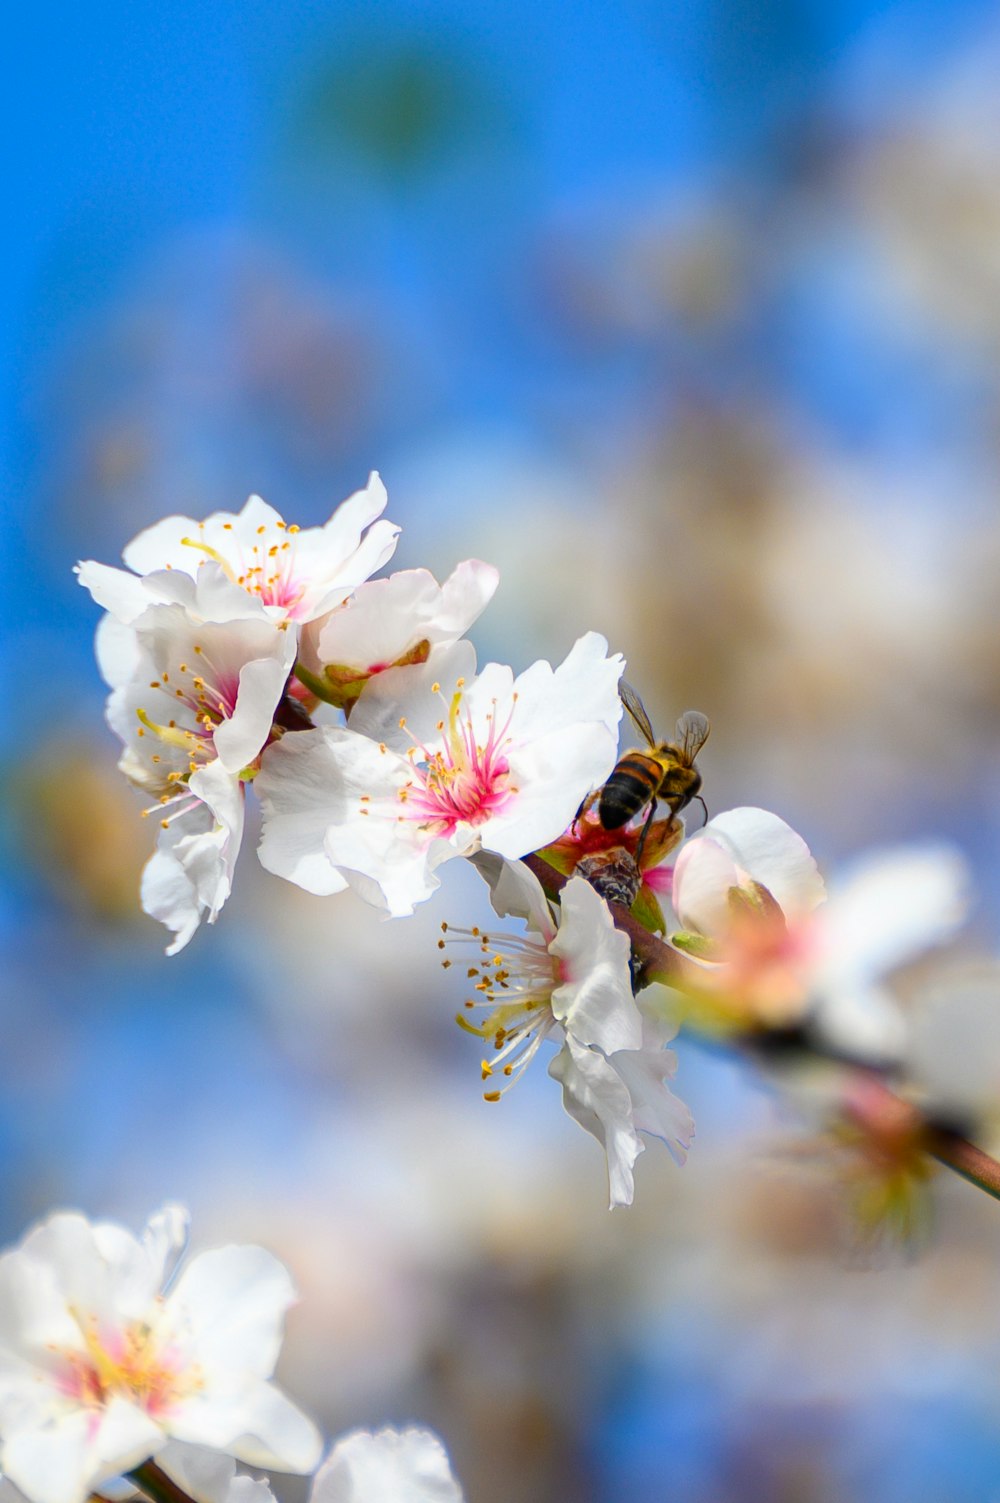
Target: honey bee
x,y
665,770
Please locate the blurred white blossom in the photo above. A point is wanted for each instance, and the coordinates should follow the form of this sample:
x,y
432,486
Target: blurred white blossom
x,y
104,1355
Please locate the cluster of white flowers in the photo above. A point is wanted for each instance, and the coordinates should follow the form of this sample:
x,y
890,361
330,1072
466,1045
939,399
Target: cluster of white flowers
x,y
242,652
111,1358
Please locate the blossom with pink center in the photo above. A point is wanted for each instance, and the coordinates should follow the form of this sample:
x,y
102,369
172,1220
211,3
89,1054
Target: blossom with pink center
x,y
391,623
439,762
105,1355
281,571
748,894
194,715
569,980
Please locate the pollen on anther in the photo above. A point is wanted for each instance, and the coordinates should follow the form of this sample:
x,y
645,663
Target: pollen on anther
x,y
486,1068
445,964
165,824
294,527
261,529
441,944
469,1002
435,688
491,1095
444,928
154,683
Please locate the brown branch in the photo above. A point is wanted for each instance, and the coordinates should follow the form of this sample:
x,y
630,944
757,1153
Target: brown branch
x,y
156,1485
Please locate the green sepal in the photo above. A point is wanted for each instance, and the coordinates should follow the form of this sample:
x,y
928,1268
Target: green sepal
x,y
561,860
697,945
647,910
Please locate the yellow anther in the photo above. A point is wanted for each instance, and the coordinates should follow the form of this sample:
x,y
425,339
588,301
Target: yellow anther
x,y
445,964
441,944
402,722
165,824
184,667
491,1095
486,1068
460,683
227,526
154,683
279,524
261,529
156,757
435,688
444,928
508,1069
294,527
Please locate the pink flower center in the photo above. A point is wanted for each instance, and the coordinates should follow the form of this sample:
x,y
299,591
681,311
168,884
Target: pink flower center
x,y
128,1363
205,696
265,568
466,778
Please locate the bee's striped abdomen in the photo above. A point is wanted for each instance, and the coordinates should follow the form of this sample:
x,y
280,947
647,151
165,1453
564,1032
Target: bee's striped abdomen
x,y
629,788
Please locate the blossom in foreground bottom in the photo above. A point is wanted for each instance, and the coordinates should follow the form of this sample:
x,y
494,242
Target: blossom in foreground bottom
x,y
570,980
439,762
390,1466
104,1357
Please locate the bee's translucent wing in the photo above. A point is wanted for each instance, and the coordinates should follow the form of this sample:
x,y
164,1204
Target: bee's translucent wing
x,y
637,710
692,733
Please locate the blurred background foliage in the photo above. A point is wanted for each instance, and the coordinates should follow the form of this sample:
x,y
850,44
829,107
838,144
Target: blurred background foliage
x,y
686,316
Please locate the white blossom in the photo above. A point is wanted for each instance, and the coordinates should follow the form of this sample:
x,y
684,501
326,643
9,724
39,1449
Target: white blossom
x,y
393,622
281,571
194,716
105,1355
439,762
569,979
389,1466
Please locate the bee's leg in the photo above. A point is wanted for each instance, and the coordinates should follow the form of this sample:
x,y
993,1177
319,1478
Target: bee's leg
x,y
701,801
645,832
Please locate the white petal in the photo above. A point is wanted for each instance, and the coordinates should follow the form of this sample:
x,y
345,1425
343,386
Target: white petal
x,y
301,793
256,1423
655,1108
407,693
239,739
584,687
704,871
235,1298
553,774
161,545
79,1450
895,905
117,649
595,1004
770,852
388,860
595,1095
465,594
391,1466
862,1019
204,1475
515,891
117,591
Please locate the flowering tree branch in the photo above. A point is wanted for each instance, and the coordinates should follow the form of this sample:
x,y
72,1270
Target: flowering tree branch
x,y
656,961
